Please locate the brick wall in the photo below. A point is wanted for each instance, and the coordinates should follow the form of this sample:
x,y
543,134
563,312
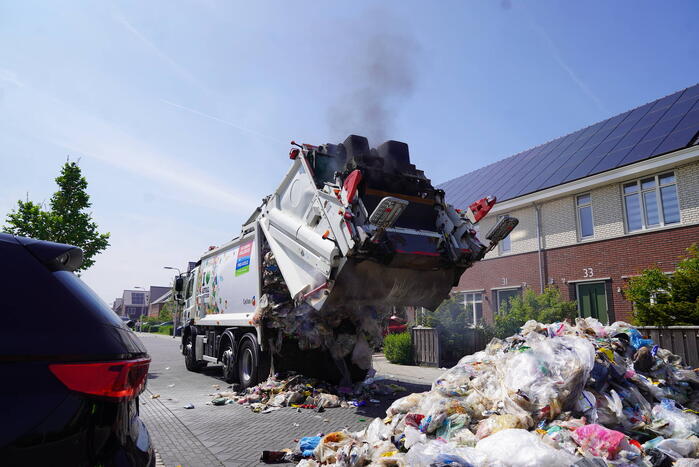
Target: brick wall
x,y
612,258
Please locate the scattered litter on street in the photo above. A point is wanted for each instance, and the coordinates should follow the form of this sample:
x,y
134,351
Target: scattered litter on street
x,y
154,396
555,395
302,393
189,406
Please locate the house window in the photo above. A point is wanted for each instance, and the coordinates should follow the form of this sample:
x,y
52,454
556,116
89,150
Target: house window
x,y
138,299
505,245
584,207
503,299
473,303
651,202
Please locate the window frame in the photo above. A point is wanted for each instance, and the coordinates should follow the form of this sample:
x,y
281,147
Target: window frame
x,y
517,289
658,201
502,251
141,296
579,220
472,305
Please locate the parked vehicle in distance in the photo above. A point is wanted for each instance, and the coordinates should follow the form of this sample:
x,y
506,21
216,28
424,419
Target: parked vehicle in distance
x,y
128,322
70,385
395,325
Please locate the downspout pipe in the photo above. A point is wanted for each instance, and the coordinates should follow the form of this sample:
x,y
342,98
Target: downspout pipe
x,y
542,279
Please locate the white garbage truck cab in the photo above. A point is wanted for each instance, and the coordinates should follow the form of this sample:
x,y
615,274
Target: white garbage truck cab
x,y
350,233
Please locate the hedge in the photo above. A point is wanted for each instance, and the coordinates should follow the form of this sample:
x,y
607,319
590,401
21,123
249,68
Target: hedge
x,y
167,330
398,348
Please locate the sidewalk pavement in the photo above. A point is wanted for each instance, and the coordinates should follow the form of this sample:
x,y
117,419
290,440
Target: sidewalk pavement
x,y
407,373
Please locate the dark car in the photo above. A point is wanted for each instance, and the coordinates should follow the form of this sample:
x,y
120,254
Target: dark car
x,y
71,369
128,322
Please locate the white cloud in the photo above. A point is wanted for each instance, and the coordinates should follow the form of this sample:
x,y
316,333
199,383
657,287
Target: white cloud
x,y
555,53
181,71
224,122
11,77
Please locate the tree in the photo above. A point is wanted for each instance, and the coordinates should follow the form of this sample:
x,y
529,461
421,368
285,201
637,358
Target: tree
x,y
667,300
66,220
453,323
547,307
166,312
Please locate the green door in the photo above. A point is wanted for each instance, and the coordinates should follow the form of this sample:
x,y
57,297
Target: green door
x,y
592,301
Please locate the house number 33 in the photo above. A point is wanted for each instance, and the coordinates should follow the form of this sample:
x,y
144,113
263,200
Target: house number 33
x,y
588,272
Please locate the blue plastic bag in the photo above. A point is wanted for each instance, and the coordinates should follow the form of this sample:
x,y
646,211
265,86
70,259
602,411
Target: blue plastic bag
x,y
637,340
307,444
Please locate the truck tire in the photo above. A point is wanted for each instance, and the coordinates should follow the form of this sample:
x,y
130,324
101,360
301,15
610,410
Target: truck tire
x,y
190,363
228,360
253,364
357,374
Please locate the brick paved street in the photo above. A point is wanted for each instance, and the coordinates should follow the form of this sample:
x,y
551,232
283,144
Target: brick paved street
x,y
232,435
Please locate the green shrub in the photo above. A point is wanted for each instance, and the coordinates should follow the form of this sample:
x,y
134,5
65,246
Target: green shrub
x,y
547,307
398,348
167,330
145,327
667,300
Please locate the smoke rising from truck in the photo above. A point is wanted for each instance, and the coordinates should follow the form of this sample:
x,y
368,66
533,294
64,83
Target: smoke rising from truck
x,y
381,75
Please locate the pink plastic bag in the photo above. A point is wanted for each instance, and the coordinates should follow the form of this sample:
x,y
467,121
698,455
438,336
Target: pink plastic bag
x,y
598,440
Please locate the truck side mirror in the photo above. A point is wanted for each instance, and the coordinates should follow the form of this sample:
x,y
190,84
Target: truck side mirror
x,y
179,284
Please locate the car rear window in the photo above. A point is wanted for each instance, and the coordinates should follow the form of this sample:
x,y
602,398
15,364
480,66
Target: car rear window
x,y
88,297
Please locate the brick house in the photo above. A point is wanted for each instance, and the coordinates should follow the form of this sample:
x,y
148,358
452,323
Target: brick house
x,y
158,300
596,207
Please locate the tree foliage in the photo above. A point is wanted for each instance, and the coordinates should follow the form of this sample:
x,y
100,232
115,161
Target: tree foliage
x,y
166,312
667,300
547,307
454,326
66,220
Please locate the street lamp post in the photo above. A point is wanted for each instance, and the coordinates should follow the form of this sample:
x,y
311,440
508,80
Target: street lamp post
x,y
174,299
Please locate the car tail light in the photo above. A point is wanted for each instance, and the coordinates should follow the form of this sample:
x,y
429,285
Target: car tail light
x,y
120,379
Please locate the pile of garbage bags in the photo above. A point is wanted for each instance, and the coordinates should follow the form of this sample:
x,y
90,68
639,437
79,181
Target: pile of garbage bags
x,y
306,393
311,328
555,395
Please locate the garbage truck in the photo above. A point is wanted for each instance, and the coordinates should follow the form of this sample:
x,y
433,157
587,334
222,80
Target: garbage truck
x,y
350,233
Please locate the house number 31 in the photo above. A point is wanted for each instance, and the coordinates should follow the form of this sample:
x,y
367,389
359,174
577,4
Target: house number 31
x,y
588,272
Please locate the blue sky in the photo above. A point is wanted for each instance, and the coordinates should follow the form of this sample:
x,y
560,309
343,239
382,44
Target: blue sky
x,y
181,112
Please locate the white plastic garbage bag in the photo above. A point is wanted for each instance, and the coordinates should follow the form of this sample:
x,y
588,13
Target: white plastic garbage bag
x,y
521,448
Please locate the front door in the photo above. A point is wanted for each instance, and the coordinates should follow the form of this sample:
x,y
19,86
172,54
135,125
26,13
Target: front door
x,y
592,301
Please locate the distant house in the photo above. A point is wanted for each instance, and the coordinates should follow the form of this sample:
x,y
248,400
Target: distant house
x,y
595,207
118,306
157,304
135,303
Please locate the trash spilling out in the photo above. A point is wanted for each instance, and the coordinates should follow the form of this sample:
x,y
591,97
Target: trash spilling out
x,y
301,392
554,395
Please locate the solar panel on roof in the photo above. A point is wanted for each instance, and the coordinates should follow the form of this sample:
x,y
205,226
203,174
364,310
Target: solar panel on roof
x,y
500,183
667,124
574,153
553,162
591,154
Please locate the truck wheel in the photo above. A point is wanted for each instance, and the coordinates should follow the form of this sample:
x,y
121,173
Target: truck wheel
x,y
230,375
357,374
190,363
253,365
